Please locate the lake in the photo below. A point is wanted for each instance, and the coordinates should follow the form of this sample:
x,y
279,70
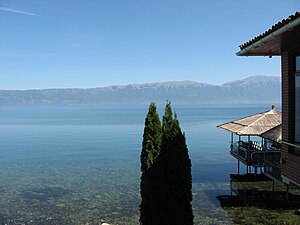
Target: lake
x,y
80,164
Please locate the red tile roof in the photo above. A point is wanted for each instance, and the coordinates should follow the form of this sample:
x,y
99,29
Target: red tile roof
x,y
271,30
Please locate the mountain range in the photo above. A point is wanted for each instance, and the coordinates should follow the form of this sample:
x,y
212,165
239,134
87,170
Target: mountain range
x,y
252,90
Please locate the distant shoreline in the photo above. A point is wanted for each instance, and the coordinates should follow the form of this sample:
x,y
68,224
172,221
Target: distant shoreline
x,y
252,90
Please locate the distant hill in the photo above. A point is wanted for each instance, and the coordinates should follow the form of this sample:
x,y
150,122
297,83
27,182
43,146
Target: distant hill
x,y
252,90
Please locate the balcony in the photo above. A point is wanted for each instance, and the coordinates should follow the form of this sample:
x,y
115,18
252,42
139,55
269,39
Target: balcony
x,y
252,153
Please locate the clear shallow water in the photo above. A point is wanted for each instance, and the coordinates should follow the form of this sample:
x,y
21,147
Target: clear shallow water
x,y
80,164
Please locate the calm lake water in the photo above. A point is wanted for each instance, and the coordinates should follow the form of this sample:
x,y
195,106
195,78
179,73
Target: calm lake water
x,y
80,164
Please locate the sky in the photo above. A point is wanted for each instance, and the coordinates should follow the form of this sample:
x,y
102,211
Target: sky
x,y
96,43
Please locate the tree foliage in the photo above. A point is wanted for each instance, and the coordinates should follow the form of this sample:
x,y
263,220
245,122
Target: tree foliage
x,y
149,167
151,139
166,182
177,171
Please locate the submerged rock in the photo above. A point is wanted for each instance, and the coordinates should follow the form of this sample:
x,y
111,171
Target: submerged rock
x,y
45,194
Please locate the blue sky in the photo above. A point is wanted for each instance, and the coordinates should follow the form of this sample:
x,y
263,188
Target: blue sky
x,y
91,43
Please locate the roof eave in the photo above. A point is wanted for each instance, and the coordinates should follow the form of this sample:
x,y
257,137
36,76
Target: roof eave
x,y
250,50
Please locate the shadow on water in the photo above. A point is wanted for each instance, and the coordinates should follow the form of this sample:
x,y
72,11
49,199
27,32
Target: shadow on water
x,y
45,194
258,207
261,199
254,200
211,196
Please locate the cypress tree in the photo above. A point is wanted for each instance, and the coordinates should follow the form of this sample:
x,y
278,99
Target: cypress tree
x,y
166,181
176,165
149,208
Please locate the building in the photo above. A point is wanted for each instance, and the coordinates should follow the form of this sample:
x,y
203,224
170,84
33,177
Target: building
x,y
283,39
258,142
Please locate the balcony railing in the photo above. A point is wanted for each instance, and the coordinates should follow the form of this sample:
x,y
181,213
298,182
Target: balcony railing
x,y
253,153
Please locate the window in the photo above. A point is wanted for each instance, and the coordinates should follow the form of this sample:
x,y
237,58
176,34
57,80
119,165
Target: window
x,y
297,101
297,64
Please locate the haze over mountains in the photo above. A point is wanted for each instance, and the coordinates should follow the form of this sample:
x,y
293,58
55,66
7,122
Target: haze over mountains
x,y
252,90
